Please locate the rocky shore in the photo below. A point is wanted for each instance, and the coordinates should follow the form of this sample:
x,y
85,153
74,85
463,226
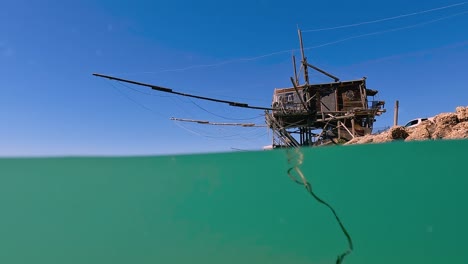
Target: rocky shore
x,y
443,126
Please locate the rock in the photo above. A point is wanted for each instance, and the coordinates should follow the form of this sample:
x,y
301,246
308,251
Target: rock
x,y
446,119
444,123
422,132
462,113
442,126
459,131
360,140
382,138
366,139
398,132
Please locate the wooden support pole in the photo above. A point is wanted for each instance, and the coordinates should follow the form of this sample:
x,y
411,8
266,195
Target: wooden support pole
x,y
301,138
343,125
339,129
395,115
299,95
295,70
304,59
324,72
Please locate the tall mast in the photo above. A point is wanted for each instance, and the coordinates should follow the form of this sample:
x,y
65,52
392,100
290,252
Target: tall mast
x,y
304,59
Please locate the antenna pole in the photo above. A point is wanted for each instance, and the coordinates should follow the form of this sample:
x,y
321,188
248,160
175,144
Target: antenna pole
x,y
304,59
395,115
295,70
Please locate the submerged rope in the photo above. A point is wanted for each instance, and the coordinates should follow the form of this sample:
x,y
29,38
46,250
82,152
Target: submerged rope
x,y
298,159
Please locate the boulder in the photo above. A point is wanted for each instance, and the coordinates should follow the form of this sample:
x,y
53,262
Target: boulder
x,y
459,131
444,123
462,114
446,119
422,132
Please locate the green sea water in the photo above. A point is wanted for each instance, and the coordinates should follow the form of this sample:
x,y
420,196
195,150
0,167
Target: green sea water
x,y
401,203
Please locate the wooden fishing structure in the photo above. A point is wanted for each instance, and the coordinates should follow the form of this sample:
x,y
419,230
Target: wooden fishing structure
x,y
306,114
321,113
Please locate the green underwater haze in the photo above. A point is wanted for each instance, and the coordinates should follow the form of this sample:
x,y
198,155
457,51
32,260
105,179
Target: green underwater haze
x,y
400,202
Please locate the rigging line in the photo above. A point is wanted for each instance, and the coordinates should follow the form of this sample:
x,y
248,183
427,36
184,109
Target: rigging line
x,y
253,135
188,130
307,48
252,138
216,64
242,136
180,106
225,96
386,31
256,137
222,63
409,54
384,19
133,100
227,118
248,137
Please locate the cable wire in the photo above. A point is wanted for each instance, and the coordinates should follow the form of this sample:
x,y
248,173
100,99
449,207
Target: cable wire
x,y
386,31
384,19
227,118
131,99
299,158
307,48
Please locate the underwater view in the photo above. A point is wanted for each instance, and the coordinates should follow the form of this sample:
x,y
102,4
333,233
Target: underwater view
x,y
399,202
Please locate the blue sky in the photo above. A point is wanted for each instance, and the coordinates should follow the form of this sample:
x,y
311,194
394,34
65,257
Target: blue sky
x,y
50,104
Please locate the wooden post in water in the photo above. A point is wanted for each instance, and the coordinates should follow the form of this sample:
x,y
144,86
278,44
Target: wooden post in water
x,y
395,115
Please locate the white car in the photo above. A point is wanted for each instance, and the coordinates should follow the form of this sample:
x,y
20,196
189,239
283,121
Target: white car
x,y
416,122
